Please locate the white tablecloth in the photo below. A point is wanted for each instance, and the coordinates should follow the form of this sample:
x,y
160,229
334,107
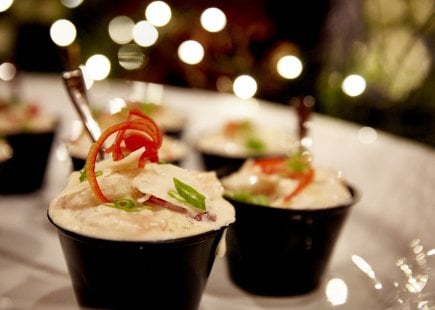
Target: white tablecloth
x,y
385,254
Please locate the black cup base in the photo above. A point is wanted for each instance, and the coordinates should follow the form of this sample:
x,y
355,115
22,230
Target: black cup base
x,y
267,285
108,274
282,252
25,171
222,165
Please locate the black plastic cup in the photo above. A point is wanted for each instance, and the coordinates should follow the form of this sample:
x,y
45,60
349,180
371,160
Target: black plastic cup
x,y
222,165
77,163
25,171
282,252
176,133
108,274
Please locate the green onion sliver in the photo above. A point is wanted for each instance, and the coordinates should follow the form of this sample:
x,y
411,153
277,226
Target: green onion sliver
x,y
126,204
189,194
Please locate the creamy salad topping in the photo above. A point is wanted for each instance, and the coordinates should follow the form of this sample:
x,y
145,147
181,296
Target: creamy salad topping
x,y
166,118
77,209
171,149
130,196
245,138
287,184
16,118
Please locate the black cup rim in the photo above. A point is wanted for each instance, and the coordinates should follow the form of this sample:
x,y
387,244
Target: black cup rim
x,y
246,156
197,238
355,199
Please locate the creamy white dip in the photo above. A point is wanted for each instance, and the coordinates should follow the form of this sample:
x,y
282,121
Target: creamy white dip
x,y
165,117
170,151
77,209
168,119
16,118
328,188
274,141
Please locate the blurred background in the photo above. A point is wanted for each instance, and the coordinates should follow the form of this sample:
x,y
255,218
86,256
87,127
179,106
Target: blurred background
x,y
366,61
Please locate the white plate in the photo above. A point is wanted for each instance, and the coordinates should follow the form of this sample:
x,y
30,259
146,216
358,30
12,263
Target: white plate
x,y
384,258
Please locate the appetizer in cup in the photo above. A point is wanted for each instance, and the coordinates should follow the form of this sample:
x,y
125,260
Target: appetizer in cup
x,y
170,121
137,233
173,150
289,217
224,149
30,134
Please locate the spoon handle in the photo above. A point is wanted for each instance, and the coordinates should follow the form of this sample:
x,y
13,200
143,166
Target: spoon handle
x,y
303,107
76,88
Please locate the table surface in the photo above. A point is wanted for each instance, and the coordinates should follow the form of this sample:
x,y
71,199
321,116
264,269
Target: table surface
x,y
385,256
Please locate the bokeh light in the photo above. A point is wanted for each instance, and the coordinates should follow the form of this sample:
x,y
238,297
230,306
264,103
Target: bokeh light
x,y
289,67
121,29
71,3
97,67
245,86
116,105
131,57
353,85
145,34
191,52
7,71
5,4
224,84
63,32
158,13
213,19
367,135
336,291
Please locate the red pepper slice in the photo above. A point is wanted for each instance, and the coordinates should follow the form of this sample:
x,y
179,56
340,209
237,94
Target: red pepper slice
x,y
137,131
165,204
272,165
278,165
304,179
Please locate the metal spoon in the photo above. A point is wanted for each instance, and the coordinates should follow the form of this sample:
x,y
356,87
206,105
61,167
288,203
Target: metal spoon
x,y
303,107
76,88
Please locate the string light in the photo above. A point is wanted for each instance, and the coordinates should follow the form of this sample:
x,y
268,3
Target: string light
x,y
7,71
289,67
121,29
5,4
98,67
63,32
145,34
353,85
158,13
245,86
131,57
133,37
191,52
213,19
71,3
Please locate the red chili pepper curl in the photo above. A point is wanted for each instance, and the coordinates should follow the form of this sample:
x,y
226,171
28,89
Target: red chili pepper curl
x,y
136,132
278,166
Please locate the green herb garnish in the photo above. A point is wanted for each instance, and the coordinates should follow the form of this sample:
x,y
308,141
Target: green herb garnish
x,y
126,204
187,194
298,162
83,174
148,107
247,197
245,127
255,145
